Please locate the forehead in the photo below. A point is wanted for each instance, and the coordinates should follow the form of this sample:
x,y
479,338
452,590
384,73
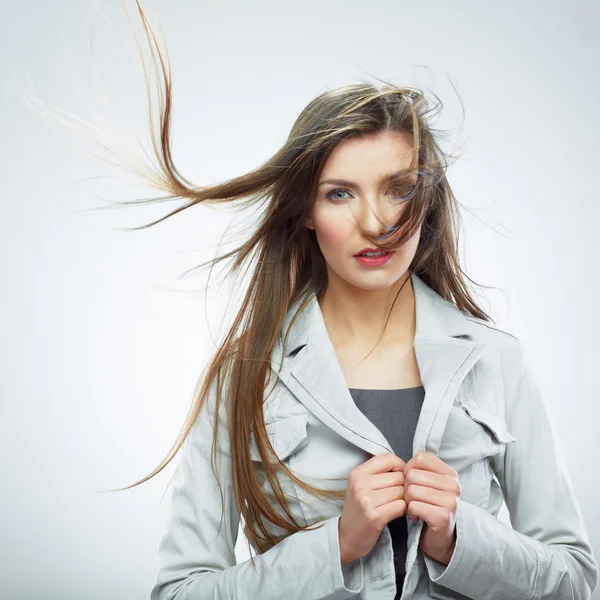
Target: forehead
x,y
376,154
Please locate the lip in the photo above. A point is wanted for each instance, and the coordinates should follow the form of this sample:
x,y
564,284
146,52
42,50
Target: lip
x,y
372,250
373,261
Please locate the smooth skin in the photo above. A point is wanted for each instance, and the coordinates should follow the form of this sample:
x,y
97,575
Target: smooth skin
x,y
355,187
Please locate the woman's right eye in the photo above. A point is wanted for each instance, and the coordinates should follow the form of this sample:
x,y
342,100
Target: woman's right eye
x,y
330,194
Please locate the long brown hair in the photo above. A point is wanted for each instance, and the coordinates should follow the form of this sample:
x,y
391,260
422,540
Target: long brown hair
x,y
286,260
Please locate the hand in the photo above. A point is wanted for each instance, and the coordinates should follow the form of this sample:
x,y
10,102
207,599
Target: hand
x,y
431,493
374,497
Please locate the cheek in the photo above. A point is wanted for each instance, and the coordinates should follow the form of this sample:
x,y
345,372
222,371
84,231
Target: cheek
x,y
413,242
333,235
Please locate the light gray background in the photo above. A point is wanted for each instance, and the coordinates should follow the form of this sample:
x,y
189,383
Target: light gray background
x,y
101,343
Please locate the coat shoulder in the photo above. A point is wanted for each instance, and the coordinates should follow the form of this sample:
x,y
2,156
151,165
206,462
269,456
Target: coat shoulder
x,y
491,334
504,350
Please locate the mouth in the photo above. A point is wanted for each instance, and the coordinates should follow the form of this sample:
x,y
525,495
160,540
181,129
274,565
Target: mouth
x,y
373,253
376,260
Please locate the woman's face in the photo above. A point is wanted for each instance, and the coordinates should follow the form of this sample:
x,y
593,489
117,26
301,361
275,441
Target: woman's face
x,y
365,166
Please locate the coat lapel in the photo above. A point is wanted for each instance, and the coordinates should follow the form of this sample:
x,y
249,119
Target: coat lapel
x,y
445,353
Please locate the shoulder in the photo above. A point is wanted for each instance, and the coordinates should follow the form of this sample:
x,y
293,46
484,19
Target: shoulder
x,y
486,331
501,345
494,337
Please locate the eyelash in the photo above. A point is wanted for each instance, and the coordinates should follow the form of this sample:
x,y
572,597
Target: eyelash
x,y
339,201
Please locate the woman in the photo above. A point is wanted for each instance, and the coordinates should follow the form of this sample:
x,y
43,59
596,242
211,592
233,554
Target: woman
x,y
362,417
481,432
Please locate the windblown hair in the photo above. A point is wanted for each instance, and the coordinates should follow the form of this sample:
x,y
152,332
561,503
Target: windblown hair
x,y
286,259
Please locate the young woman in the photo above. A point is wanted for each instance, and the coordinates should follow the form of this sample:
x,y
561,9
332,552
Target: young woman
x,y
378,376
362,417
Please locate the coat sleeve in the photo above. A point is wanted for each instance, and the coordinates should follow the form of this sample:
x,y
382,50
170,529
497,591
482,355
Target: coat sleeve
x,y
197,560
546,554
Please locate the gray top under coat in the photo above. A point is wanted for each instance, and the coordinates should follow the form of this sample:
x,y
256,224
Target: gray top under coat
x,y
395,413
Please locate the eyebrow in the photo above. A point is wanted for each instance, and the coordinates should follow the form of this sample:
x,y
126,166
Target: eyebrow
x,y
384,179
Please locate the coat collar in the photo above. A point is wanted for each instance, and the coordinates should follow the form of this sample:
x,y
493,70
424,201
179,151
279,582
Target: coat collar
x,y
435,317
445,351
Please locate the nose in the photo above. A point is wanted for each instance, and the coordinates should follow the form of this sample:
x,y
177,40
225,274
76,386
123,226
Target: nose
x,y
376,216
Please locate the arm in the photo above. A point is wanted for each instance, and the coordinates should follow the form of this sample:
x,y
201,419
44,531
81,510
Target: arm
x,y
197,561
546,554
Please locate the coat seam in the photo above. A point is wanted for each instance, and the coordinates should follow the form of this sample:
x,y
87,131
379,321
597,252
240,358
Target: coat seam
x,y
539,568
378,577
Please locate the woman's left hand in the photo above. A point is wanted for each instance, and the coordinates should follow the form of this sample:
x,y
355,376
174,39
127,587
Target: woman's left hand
x,y
431,493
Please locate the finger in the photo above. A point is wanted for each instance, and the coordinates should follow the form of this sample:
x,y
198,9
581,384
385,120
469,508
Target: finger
x,y
437,519
376,498
391,510
385,480
428,462
421,510
382,463
420,493
433,480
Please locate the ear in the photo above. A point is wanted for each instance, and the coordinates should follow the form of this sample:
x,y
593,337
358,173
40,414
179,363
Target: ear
x,y
309,223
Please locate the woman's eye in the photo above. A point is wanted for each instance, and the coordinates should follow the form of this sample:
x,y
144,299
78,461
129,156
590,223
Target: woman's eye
x,y
401,192
404,193
330,194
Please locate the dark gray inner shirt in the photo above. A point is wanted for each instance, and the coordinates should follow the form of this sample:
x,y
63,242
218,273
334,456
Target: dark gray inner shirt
x,y
395,413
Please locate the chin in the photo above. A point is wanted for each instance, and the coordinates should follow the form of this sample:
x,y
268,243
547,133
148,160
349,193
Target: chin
x,y
372,286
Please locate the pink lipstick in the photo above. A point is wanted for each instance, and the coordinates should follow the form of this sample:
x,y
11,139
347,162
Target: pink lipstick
x,y
381,257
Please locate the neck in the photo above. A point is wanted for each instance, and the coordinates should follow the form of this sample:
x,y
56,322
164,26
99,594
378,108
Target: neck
x,y
356,317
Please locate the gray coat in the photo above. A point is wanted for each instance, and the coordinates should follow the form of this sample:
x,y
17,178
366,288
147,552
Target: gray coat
x,y
483,414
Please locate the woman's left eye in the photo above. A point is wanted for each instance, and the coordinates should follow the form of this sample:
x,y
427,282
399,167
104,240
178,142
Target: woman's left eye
x,y
405,192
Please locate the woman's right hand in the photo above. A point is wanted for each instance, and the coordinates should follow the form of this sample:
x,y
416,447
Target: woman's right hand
x,y
375,496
